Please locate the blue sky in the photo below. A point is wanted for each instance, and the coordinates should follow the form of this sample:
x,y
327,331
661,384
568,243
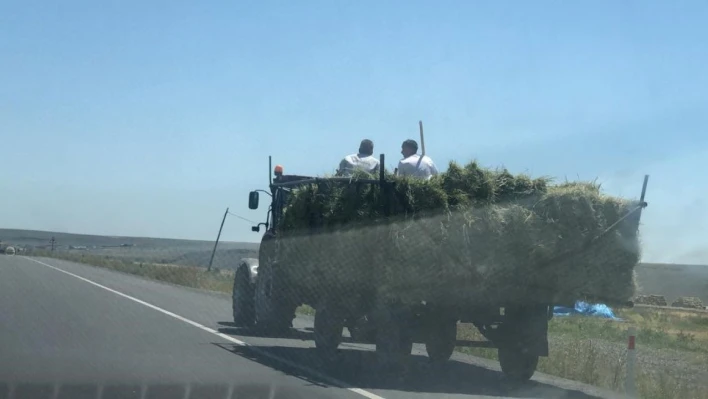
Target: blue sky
x,y
150,118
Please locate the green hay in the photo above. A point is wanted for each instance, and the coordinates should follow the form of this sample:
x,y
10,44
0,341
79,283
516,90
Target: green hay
x,y
470,235
505,253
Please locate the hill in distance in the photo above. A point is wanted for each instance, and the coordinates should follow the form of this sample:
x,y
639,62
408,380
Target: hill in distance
x,y
142,249
41,238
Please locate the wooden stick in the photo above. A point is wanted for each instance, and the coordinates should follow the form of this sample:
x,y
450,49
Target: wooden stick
x,y
422,139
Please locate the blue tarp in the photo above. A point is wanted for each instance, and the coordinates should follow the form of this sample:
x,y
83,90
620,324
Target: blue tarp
x,y
586,309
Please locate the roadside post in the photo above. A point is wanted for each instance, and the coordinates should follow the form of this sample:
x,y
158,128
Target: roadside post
x,y
629,382
211,259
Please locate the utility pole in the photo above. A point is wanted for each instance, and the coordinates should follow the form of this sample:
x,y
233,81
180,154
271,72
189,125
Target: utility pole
x,y
53,241
217,239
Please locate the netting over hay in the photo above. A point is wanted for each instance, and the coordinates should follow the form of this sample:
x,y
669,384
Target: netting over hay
x,y
470,235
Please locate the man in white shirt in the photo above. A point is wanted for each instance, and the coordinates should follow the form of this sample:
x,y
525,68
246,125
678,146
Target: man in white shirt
x,y
413,164
363,160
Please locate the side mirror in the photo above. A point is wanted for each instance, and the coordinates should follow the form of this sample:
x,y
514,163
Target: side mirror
x,y
253,200
256,229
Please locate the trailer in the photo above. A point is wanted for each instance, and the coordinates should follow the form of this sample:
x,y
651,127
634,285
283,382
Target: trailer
x,y
264,298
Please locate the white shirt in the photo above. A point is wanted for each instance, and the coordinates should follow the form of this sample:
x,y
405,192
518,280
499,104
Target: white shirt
x,y
411,167
350,163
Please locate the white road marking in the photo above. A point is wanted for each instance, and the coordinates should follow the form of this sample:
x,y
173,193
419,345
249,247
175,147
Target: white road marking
x,y
315,373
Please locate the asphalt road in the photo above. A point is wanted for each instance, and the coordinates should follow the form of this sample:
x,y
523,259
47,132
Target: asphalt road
x,y
74,331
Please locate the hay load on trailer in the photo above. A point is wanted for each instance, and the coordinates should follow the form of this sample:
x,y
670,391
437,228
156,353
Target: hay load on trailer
x,y
398,260
470,235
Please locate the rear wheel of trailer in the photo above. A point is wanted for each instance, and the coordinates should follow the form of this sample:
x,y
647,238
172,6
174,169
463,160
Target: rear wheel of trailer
x,y
329,325
516,365
394,336
440,339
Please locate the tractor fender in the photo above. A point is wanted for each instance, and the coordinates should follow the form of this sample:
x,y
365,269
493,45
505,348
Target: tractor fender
x,y
251,265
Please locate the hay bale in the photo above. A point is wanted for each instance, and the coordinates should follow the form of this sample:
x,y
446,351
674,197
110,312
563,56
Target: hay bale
x,y
690,302
654,300
505,253
468,235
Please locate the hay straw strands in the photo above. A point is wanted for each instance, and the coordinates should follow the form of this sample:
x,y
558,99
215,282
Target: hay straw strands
x,y
470,234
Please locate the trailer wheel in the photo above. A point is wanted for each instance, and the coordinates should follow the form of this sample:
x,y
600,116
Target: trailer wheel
x,y
329,325
516,365
394,341
243,303
440,341
392,350
362,330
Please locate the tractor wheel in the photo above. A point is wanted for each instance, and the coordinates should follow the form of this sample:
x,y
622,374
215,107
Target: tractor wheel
x,y
273,313
243,301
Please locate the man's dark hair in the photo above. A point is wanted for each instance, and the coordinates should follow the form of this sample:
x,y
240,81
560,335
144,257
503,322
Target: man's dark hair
x,y
412,144
366,147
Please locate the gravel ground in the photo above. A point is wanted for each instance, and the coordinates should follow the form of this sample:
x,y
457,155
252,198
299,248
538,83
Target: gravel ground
x,y
682,365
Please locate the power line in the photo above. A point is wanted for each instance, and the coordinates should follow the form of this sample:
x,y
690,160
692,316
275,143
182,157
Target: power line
x,y
241,217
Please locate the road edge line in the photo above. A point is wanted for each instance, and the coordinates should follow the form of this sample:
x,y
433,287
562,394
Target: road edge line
x,y
328,379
